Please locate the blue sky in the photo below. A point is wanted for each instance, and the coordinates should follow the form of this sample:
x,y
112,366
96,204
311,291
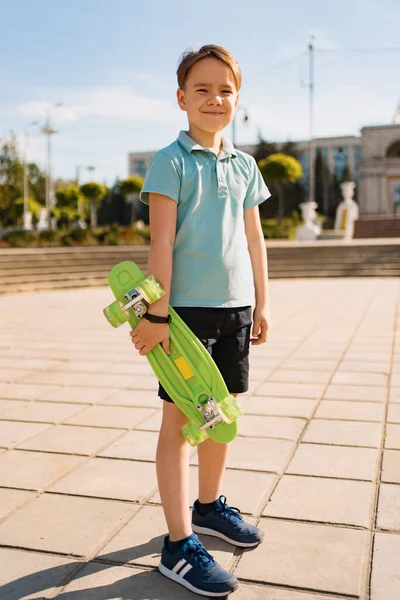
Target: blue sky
x,y
112,64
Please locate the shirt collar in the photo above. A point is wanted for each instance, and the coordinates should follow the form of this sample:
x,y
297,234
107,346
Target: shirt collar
x,y
189,145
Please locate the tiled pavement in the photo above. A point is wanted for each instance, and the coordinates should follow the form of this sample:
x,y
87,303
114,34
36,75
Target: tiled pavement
x,y
317,463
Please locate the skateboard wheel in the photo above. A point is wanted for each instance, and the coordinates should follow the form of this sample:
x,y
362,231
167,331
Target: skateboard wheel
x,y
193,434
151,289
114,315
230,409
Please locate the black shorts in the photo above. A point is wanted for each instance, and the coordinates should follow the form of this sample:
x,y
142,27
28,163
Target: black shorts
x,y
225,332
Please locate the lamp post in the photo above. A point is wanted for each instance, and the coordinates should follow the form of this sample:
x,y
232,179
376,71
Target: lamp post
x,y
26,212
48,131
245,119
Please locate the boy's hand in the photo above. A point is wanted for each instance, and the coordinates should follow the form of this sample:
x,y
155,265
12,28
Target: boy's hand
x,y
261,326
147,335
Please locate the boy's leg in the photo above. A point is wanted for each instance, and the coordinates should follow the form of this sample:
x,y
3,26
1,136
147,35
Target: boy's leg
x,y
212,462
172,462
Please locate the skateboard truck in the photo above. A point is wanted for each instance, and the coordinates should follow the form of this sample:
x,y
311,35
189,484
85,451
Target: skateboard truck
x,y
209,410
136,300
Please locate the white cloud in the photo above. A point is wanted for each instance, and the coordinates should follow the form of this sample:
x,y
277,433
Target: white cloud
x,y
115,102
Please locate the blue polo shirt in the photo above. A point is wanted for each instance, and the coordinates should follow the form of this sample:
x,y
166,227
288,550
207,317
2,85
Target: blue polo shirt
x,y
211,261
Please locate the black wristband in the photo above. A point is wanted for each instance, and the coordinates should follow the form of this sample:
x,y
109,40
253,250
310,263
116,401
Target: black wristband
x,y
156,319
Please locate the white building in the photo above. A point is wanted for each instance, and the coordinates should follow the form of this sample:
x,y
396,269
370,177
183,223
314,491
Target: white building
x,y
372,159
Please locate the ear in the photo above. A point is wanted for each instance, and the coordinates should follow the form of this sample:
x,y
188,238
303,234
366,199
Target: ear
x,y
180,96
237,101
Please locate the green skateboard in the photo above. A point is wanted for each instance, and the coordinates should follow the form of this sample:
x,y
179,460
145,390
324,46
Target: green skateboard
x,y
189,375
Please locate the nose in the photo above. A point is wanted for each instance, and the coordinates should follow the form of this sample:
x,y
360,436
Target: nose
x,y
214,100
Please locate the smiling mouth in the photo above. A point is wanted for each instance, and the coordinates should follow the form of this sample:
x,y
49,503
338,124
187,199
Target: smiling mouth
x,y
212,113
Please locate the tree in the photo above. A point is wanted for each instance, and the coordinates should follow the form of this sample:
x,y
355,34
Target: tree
x,y
69,203
280,168
131,185
264,149
322,182
94,193
11,178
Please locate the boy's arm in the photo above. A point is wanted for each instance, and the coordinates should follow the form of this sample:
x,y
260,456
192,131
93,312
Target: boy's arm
x,y
163,211
258,257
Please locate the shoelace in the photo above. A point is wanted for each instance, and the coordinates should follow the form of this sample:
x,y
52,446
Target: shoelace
x,y
228,512
199,554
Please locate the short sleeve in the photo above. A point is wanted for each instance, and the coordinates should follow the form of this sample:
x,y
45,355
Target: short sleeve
x,y
162,178
257,191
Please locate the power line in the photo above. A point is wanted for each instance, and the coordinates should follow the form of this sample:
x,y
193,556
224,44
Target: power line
x,y
351,50
277,64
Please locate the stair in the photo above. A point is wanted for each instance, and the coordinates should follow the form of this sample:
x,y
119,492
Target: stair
x,y
54,268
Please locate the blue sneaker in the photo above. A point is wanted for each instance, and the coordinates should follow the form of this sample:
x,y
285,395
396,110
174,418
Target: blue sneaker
x,y
227,523
194,568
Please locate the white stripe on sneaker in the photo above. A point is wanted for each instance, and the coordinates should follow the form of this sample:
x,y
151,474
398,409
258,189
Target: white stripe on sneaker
x,y
178,565
185,570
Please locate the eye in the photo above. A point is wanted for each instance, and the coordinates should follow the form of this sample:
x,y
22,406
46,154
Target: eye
x,y
227,91
201,90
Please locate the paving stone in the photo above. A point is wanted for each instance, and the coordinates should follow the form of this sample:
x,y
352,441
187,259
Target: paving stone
x,y
143,398
259,454
134,368
299,376
28,575
352,411
24,391
241,488
395,380
135,445
80,395
34,470
11,499
394,395
262,592
11,433
319,499
65,524
96,380
122,417
147,530
389,507
356,378
285,407
271,427
71,439
27,364
391,466
108,478
151,424
291,390
368,356
44,412
385,582
335,553
7,405
304,365
123,583
13,375
334,461
75,366
344,433
393,413
392,436
364,367
356,392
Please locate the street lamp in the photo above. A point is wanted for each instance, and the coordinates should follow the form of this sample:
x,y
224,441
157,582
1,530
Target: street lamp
x,y
245,120
48,132
27,225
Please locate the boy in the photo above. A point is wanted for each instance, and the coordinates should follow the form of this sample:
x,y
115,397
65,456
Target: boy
x,y
207,250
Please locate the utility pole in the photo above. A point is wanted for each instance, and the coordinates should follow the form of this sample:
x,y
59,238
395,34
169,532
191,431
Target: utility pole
x,y
48,132
26,191
245,119
311,149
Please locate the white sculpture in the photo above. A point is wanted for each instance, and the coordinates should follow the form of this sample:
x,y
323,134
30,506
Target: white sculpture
x,y
347,212
28,221
311,228
42,223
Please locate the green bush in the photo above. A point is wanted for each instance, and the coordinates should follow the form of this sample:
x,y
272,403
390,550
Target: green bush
x,y
281,229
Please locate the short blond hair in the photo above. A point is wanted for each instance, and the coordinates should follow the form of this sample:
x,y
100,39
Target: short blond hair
x,y
191,57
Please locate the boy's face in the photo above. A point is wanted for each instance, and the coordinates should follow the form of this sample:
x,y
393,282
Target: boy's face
x,y
210,96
